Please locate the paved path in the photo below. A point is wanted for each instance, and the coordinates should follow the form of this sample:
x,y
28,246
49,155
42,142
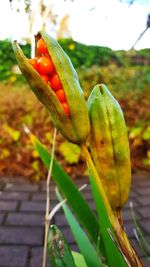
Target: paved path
x,y
22,208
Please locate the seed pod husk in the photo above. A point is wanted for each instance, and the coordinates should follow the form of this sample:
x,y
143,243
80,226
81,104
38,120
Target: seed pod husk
x,y
75,127
109,145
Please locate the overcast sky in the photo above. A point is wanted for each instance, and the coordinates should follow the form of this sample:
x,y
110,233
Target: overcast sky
x,y
109,23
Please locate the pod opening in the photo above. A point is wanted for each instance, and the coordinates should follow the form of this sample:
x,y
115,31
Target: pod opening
x,y
101,90
43,64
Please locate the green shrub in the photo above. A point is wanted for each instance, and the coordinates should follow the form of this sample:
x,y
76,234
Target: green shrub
x,y
90,61
84,55
7,59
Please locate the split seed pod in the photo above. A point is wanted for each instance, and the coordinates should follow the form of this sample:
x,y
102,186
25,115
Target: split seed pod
x,y
109,145
76,126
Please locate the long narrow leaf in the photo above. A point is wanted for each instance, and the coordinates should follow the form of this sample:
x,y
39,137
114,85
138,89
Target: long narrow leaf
x,y
70,191
79,260
84,244
58,249
143,244
114,256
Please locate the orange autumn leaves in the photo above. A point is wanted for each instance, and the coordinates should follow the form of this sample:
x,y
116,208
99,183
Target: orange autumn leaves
x,y
45,67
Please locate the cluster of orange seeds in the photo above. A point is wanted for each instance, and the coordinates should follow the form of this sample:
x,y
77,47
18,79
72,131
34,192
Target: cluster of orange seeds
x,y
45,67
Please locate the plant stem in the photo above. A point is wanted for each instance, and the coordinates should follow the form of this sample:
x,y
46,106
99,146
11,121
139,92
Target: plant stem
x,y
118,215
117,225
99,185
47,221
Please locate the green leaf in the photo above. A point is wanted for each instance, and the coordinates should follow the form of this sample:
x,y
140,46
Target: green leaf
x,y
4,153
35,165
70,152
70,191
112,252
146,162
135,132
58,249
14,134
49,137
142,242
85,246
79,259
27,119
146,134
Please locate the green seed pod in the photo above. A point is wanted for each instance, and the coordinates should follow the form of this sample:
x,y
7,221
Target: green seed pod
x,y
76,126
58,249
109,145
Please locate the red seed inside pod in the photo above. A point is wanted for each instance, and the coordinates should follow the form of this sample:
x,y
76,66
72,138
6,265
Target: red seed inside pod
x,y
55,82
66,108
34,63
37,58
44,77
45,65
61,95
41,47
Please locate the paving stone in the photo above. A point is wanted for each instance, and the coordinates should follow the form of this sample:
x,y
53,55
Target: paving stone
x,y
68,235
146,262
17,179
133,185
39,196
14,196
52,187
8,205
144,211
143,190
140,176
144,200
60,220
133,194
92,205
42,196
21,236
33,206
1,217
145,225
129,229
36,257
78,183
29,187
25,228
134,202
13,256
25,219
147,237
144,183
2,185
81,181
87,195
136,247
127,216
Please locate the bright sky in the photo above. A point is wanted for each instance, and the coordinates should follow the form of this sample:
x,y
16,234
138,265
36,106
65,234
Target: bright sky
x,y
109,23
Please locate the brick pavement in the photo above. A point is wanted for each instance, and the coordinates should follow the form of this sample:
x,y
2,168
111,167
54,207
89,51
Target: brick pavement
x,y
22,209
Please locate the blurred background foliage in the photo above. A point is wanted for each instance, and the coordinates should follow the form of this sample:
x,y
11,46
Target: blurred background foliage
x,y
127,75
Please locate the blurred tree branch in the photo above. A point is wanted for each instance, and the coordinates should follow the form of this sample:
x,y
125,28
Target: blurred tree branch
x,y
40,16
147,27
